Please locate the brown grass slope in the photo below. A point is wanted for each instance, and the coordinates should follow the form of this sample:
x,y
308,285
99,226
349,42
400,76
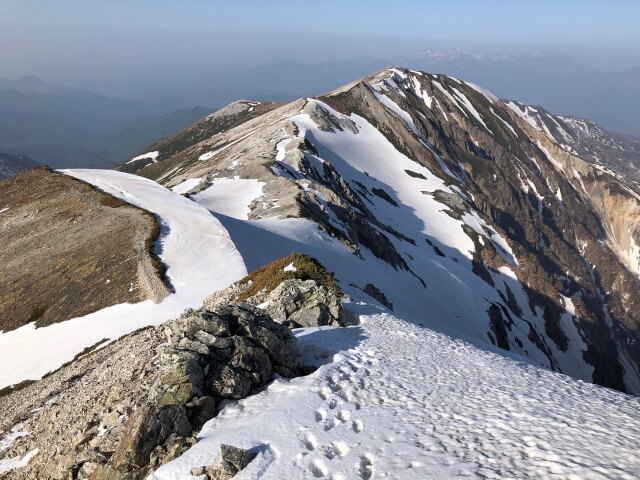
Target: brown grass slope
x,y
68,249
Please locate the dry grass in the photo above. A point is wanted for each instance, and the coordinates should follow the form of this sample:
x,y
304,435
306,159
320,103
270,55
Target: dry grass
x,y
14,388
273,274
113,202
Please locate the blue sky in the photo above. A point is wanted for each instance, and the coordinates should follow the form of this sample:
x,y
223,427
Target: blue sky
x,y
67,39
613,22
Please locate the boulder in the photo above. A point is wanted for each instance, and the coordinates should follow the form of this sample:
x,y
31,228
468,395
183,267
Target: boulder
x,y
304,303
227,464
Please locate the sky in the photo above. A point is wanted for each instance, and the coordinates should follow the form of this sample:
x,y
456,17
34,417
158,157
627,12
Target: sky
x,y
84,41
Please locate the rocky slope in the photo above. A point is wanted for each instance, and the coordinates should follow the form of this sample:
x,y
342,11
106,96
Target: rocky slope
x,y
231,116
616,154
476,215
123,410
101,252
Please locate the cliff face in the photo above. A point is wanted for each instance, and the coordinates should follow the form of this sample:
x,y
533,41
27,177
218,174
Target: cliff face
x,y
67,249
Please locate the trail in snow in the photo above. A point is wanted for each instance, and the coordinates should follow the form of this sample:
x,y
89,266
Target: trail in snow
x,y
403,402
199,254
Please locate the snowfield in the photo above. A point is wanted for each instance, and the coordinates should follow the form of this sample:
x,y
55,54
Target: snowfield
x,y
199,254
397,400
230,196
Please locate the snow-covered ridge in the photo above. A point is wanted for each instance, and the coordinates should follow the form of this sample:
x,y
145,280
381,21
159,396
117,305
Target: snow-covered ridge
x,y
399,401
200,257
425,185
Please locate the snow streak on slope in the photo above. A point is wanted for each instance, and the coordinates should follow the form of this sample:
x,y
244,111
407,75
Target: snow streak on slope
x,y
369,151
230,196
458,300
196,248
403,402
153,156
187,185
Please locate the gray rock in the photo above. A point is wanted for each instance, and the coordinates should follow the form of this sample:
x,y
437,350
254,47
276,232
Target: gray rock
x,y
304,303
136,405
227,382
192,345
198,471
228,463
90,455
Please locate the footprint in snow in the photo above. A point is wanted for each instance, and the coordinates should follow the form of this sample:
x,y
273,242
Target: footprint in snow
x,y
310,442
366,466
357,426
319,469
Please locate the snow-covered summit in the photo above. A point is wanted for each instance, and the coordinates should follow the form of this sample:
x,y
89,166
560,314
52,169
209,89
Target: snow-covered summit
x,y
473,215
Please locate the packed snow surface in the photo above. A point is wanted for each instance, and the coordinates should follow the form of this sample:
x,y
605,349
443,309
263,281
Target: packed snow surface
x,y
396,400
187,185
200,256
230,196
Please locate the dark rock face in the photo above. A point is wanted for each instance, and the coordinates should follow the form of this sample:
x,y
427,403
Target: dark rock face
x,y
222,354
374,292
127,417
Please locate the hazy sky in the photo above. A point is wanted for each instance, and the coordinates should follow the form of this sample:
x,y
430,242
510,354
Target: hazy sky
x,y
82,40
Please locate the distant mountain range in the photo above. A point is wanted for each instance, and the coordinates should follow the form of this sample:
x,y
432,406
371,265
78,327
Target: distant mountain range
x,y
11,164
562,85
67,127
63,127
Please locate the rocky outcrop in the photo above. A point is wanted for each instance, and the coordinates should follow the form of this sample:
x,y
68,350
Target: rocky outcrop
x,y
374,292
302,303
296,291
125,410
227,464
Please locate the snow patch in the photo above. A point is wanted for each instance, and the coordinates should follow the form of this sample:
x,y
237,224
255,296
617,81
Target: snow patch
x,y
213,153
8,464
230,196
509,127
372,410
187,185
463,98
281,149
153,156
